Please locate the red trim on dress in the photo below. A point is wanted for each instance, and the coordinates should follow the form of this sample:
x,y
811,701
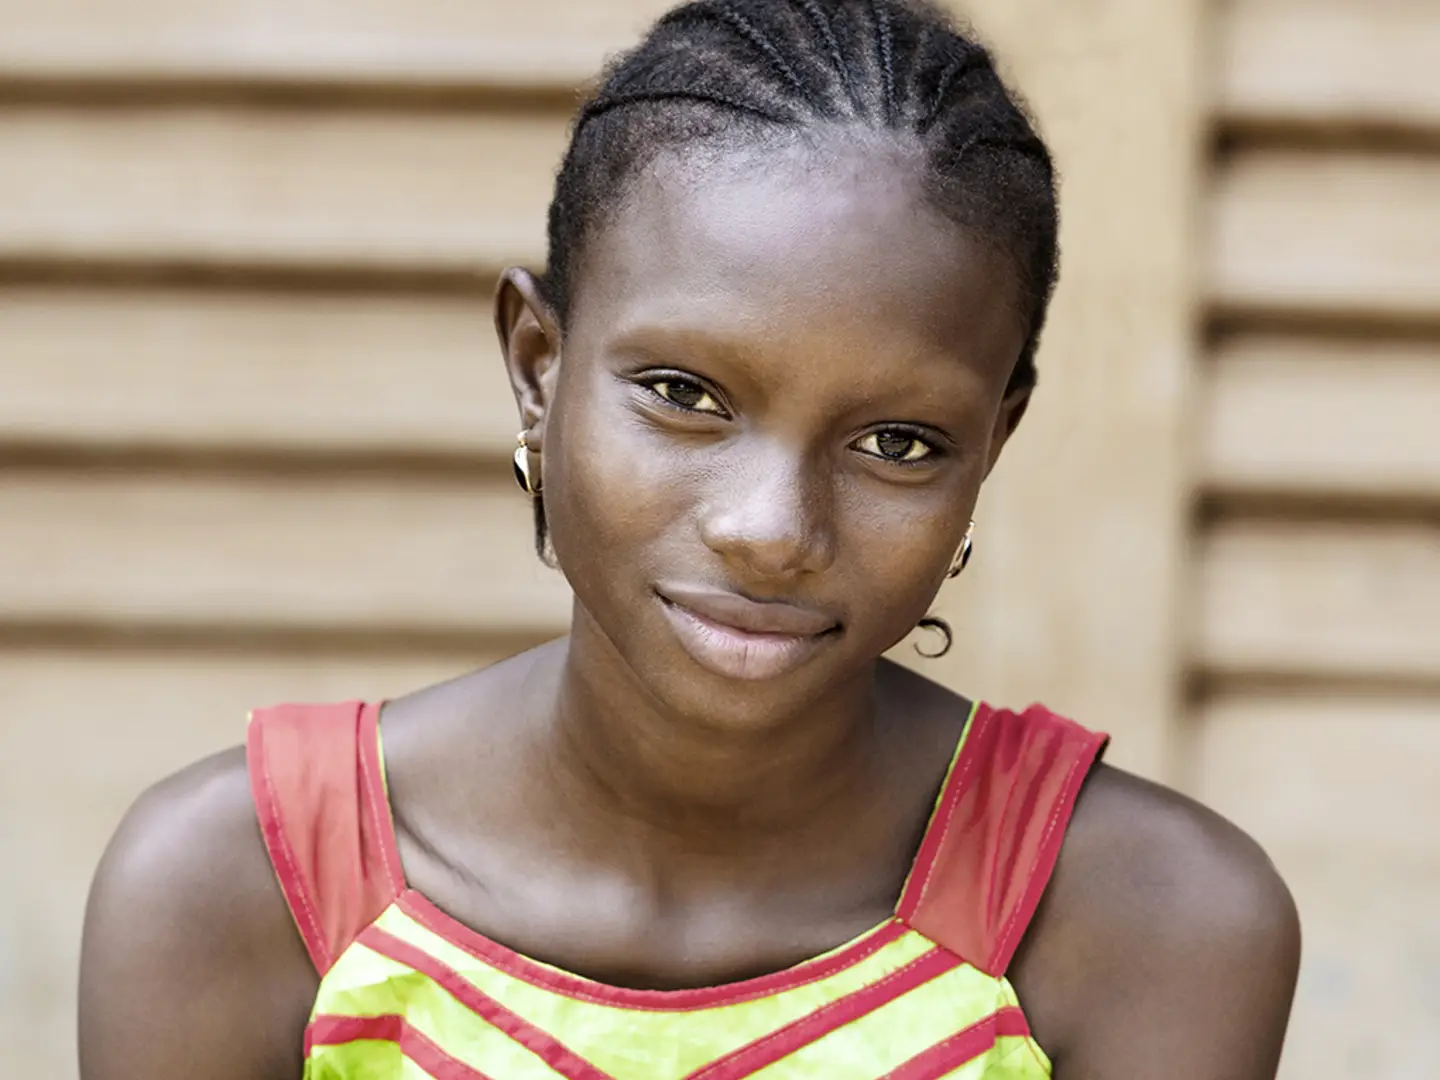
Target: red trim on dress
x,y
372,777
539,1042
519,966
287,872
963,1047
784,1041
961,767
983,864
990,855
315,779
340,1030
741,1062
1086,748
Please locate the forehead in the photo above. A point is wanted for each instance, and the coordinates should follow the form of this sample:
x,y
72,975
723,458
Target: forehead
x,y
821,240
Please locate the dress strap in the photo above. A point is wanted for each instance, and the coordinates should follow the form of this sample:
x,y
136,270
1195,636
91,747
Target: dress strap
x,y
997,831
319,790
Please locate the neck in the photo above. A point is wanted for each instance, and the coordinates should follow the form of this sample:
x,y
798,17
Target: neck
x,y
622,756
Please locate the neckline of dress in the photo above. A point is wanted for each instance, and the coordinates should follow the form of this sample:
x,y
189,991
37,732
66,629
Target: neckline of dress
x,y
422,910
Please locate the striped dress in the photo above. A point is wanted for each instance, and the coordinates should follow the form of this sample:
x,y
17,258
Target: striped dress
x,y
408,992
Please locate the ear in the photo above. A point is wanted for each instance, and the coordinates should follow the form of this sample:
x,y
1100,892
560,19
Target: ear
x,y
530,343
1012,411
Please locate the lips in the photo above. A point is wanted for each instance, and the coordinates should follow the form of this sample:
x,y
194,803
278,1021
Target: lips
x,y
750,616
741,638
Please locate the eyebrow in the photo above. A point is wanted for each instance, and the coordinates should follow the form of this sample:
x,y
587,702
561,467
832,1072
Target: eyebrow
x,y
658,341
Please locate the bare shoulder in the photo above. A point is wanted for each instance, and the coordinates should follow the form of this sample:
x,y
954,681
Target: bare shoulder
x,y
1166,935
190,962
1140,858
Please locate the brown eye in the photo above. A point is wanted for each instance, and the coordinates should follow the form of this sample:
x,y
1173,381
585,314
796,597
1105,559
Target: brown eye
x,y
687,395
897,446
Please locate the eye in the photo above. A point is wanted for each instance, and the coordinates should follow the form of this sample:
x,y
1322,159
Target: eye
x,y
684,394
895,445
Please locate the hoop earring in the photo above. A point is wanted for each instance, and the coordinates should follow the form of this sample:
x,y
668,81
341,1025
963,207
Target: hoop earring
x,y
521,462
962,557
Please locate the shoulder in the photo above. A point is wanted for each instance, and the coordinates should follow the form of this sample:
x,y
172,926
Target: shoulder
x,y
186,919
1159,901
1169,863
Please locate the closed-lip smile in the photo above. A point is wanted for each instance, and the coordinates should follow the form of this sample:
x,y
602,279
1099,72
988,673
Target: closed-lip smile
x,y
741,638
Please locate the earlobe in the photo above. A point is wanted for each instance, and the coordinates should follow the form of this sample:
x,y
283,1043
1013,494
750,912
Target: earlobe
x,y
529,343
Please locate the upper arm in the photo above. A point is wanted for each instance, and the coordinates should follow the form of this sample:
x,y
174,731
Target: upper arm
x,y
190,965
1167,946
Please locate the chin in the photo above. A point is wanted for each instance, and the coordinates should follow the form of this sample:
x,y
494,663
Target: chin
x,y
720,700
732,705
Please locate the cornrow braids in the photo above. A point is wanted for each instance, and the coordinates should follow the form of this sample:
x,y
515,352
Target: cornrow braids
x,y
885,42
726,13
738,75
602,105
821,22
951,76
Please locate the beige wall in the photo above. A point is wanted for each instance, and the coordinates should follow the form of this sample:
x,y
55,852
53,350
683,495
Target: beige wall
x,y
1313,626
252,426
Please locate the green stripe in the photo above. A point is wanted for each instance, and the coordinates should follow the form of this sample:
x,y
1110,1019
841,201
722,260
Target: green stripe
x,y
365,983
613,1038
890,1036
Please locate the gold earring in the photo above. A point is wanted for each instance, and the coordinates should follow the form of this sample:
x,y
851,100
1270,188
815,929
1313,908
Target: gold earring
x,y
962,557
522,467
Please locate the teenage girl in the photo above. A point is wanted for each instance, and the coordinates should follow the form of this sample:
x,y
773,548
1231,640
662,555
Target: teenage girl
x,y
800,258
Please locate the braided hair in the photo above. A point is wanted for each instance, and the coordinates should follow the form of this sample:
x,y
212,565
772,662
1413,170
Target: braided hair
x,y
734,75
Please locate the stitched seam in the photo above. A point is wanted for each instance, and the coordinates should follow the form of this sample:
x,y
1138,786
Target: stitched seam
x,y
950,817
405,1036
949,1064
370,799
824,1010
1003,941
521,972
1034,1049
484,1006
1026,1050
282,842
995,859
754,995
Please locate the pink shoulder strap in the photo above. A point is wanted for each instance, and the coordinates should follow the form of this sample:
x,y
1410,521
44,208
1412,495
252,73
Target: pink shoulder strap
x,y
997,831
319,791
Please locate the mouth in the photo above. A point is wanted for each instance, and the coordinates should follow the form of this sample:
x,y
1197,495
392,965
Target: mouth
x,y
739,638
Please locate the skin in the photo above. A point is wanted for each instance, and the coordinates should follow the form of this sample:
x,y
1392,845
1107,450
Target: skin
x,y
745,349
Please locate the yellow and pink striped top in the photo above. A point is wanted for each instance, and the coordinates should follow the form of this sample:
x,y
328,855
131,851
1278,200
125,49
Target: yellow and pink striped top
x,y
408,992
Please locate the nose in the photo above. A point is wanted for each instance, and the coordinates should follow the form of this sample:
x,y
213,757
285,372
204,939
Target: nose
x,y
771,515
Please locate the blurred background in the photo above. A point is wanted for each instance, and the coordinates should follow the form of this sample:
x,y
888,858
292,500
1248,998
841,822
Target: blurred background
x,y
254,430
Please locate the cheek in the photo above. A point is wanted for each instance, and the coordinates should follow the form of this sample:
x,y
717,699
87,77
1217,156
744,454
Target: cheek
x,y
611,487
897,543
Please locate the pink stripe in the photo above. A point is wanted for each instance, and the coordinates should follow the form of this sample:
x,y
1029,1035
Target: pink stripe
x,y
783,1042
936,830
1046,856
960,1049
272,829
550,1050
512,963
339,1030
379,802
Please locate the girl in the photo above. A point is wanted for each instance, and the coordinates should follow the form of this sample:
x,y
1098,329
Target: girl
x,y
800,258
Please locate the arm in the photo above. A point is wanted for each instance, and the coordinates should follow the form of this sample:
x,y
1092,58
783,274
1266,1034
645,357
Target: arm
x,y
190,964
1166,946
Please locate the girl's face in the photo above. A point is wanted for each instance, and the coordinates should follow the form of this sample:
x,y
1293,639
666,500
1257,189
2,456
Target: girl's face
x,y
781,387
